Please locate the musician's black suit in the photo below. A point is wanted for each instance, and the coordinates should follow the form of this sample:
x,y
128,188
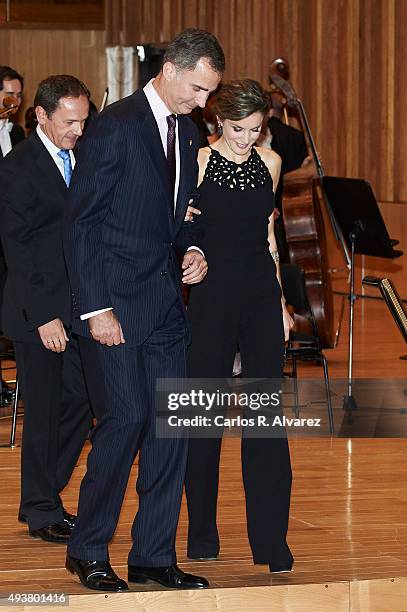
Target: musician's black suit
x,y
120,237
16,136
56,410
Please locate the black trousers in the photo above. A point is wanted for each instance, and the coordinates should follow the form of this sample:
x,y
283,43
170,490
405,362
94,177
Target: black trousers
x,y
57,418
123,379
251,319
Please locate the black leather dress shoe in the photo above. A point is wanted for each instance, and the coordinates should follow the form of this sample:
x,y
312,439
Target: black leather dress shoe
x,y
282,566
97,575
59,533
171,577
69,519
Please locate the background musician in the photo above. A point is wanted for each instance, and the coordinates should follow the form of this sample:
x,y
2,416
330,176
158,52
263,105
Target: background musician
x,y
11,85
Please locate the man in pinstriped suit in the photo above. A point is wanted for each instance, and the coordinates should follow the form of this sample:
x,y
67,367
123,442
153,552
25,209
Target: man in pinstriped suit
x,y
129,193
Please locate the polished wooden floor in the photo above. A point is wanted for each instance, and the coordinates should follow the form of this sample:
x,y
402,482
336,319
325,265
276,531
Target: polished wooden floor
x,y
348,524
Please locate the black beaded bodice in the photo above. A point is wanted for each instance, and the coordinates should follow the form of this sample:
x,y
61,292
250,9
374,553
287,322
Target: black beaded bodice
x,y
236,201
248,175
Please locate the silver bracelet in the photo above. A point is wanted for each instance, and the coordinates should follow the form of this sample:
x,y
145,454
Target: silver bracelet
x,y
275,256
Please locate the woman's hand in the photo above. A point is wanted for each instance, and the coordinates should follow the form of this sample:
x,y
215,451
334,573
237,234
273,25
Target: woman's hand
x,y
288,322
191,211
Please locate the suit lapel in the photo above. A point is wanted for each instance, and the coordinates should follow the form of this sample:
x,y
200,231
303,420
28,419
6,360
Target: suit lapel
x,y
185,144
47,167
151,139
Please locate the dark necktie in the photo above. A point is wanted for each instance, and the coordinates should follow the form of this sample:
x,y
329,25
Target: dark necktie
x,y
66,158
172,123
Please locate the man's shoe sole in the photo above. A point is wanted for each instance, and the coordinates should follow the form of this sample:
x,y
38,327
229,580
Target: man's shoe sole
x,y
136,578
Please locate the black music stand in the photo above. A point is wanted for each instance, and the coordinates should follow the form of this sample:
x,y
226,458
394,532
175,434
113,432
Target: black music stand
x,y
357,214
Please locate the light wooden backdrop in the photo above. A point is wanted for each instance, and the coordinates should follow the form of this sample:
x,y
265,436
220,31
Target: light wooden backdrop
x,y
38,53
346,60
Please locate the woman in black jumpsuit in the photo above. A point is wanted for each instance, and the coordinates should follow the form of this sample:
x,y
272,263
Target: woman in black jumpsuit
x,y
239,303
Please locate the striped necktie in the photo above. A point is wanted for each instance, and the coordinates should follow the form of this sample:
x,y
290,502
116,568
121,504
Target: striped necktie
x,y
172,123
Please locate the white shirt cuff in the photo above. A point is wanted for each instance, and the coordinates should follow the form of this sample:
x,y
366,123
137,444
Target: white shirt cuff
x,y
195,248
88,315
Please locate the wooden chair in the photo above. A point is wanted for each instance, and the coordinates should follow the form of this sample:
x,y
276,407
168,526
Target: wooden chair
x,y
7,354
303,346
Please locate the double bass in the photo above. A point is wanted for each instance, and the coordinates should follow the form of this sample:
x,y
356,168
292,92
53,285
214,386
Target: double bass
x,y
309,224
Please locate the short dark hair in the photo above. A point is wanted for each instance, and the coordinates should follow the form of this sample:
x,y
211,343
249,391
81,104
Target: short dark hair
x,y
240,98
188,47
9,74
30,118
55,87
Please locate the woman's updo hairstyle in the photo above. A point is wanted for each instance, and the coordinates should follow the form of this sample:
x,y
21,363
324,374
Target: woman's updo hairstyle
x,y
240,98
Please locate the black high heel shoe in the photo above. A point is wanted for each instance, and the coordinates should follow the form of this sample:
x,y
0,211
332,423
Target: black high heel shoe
x,y
279,566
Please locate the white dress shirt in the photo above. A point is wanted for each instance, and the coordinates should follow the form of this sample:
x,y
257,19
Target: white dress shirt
x,y
53,150
5,141
161,112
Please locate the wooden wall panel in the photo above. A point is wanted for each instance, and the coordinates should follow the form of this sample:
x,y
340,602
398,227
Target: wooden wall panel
x,y
39,53
346,60
400,124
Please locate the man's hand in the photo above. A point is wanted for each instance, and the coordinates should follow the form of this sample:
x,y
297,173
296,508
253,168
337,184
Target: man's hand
x,y
194,266
53,336
106,329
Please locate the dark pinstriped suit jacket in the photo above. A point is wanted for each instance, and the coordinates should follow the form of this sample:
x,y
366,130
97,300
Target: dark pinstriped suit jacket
x,y
120,231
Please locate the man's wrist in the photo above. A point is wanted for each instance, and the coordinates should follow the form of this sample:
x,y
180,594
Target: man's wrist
x,y
195,248
89,315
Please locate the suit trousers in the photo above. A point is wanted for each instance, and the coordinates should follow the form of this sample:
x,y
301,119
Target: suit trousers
x,y
57,419
123,379
254,322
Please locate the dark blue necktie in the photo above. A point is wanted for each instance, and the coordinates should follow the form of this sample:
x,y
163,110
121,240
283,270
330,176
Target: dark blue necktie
x,y
66,158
